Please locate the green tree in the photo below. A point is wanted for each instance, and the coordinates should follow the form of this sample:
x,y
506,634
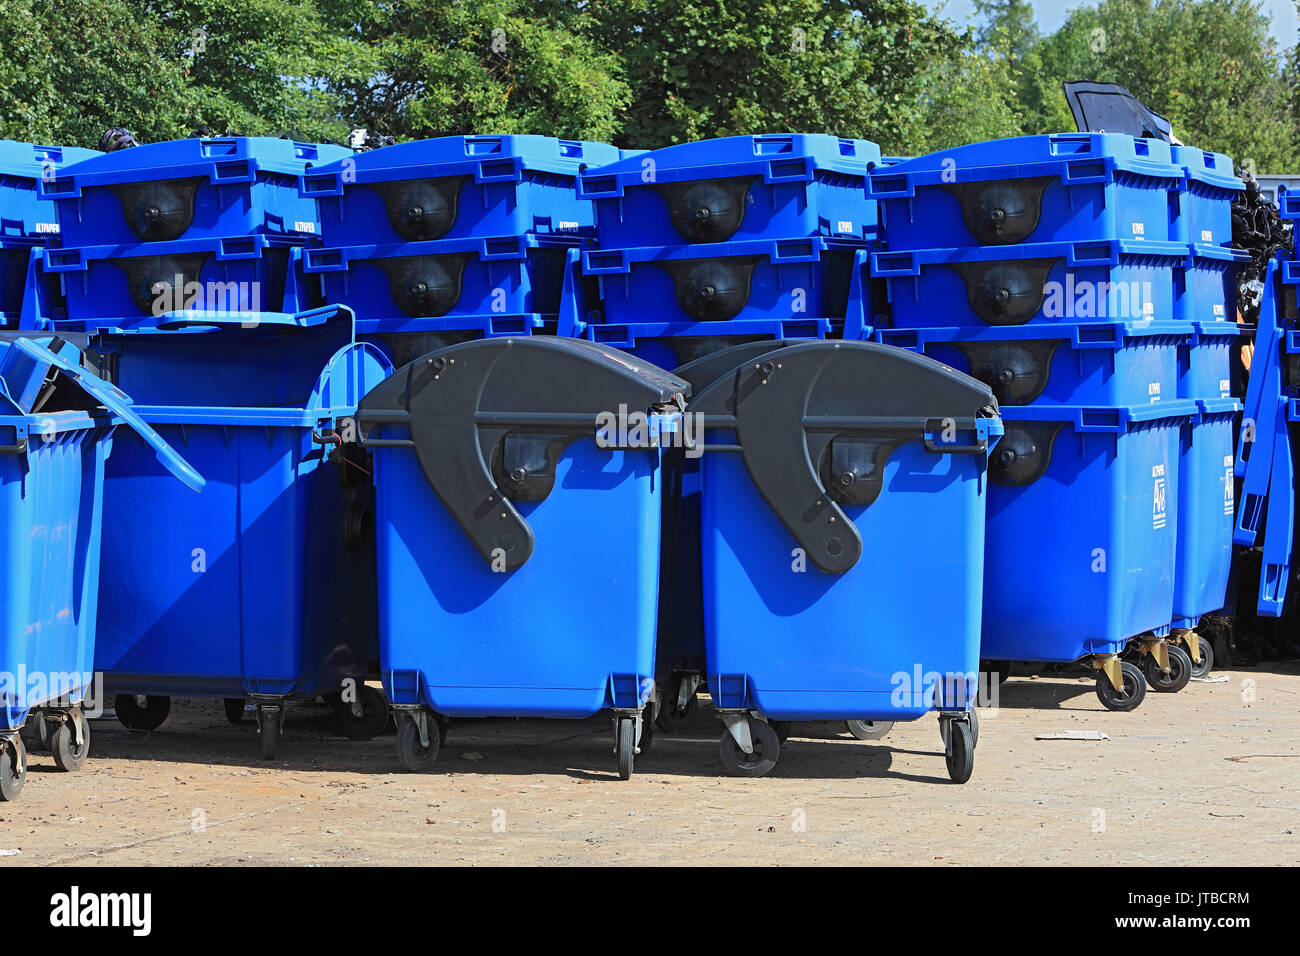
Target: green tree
x,y
1208,65
435,68
1009,27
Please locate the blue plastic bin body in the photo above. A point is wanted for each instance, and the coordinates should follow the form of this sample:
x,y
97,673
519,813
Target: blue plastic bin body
x,y
456,187
1014,285
1082,529
208,188
108,287
1030,189
1129,363
1203,213
806,624
24,213
501,286
469,641
735,189
1205,286
251,590
716,283
545,605
1206,508
1205,360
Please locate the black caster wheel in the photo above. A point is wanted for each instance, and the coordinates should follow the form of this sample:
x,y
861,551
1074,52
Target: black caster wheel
x,y
869,729
443,724
959,751
63,743
373,719
1135,689
412,754
1180,671
671,718
1203,667
135,715
13,768
269,722
767,749
234,710
626,747
35,733
784,730
1222,644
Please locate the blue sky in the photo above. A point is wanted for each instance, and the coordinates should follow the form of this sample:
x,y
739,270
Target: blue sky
x,y
1051,14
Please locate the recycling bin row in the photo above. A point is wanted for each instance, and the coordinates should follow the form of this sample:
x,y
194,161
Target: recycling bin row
x,y
492,457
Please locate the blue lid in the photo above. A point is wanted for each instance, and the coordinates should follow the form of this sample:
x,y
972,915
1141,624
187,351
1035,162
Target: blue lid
x,y
486,157
209,156
29,160
1019,157
1216,169
791,156
119,404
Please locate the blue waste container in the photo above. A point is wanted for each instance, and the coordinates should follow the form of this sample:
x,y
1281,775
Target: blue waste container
x,y
1203,212
1102,281
1119,363
735,189
210,188
1206,506
842,484
56,430
1082,529
498,286
24,212
518,528
1030,189
262,587
456,187
114,287
1205,360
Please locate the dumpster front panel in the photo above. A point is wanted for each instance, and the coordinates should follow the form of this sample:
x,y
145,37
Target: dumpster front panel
x,y
1081,558
1206,508
812,645
543,639
51,505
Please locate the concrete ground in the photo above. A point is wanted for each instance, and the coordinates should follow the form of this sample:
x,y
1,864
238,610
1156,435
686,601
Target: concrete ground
x,y
1205,776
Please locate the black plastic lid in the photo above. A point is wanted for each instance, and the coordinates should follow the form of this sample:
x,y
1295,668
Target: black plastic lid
x,y
1110,108
817,421
489,418
708,368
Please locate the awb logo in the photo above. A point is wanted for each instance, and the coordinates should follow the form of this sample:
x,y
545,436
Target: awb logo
x,y
102,910
1159,516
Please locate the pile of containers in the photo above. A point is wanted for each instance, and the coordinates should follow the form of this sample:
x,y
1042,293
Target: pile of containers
x,y
1083,277
445,240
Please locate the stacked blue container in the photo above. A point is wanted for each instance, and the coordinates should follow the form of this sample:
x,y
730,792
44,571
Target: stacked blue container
x,y
1045,266
183,259
708,244
27,222
444,240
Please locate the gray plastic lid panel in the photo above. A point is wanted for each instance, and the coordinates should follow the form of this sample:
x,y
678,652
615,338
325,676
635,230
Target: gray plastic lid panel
x,y
1110,108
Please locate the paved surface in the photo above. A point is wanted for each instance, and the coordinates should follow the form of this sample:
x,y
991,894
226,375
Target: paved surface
x,y
1204,776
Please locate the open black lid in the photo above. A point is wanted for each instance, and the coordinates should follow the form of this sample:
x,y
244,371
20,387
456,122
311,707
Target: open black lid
x,y
816,422
488,419
1110,108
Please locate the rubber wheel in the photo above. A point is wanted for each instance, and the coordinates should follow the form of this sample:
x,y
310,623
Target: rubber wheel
x,y
960,751
1135,689
671,719
767,749
784,730
234,709
63,745
626,747
270,733
148,717
1206,664
1180,671
869,729
1223,648
373,719
413,755
13,768
974,728
647,736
